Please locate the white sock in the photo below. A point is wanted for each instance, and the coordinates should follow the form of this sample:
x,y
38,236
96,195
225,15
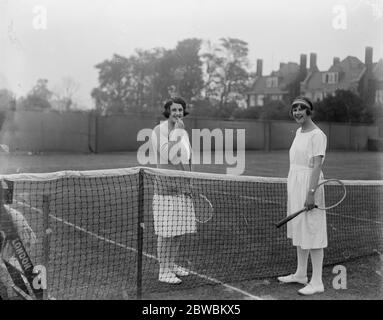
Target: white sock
x,y
317,263
302,256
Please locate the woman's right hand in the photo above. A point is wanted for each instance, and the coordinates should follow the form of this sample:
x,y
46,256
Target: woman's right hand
x,y
179,124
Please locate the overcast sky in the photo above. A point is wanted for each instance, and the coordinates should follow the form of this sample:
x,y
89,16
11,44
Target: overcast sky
x,y
82,33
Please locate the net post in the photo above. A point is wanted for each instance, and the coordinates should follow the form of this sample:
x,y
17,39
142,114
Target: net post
x,y
266,135
140,232
46,242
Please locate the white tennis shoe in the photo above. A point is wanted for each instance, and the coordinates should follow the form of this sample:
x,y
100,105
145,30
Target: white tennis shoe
x,y
169,277
311,289
179,271
292,279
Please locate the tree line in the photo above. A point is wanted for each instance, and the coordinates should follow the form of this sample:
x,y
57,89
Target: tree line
x,y
214,78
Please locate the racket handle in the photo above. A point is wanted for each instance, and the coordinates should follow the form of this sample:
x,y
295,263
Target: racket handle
x,y
288,218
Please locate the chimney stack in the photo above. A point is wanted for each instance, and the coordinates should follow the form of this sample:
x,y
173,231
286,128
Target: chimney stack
x,y
259,68
368,59
368,94
302,74
303,63
336,61
313,62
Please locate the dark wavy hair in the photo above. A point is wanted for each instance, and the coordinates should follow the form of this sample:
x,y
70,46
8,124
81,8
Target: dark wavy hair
x,y
177,100
309,111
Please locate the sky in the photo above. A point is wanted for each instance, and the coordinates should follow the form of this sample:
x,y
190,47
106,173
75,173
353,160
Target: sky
x,y
56,39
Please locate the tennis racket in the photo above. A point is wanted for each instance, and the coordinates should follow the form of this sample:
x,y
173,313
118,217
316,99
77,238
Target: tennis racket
x,y
338,195
20,254
203,208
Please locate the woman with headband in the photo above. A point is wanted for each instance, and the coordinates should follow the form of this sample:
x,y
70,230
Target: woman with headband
x,y
308,231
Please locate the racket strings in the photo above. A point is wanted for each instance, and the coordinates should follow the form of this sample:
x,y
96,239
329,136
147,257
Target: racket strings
x,y
203,208
335,192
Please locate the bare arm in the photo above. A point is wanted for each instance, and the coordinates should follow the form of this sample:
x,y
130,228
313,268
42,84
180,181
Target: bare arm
x,y
313,181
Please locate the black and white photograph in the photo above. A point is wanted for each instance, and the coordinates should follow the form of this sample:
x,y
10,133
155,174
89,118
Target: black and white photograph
x,y
191,155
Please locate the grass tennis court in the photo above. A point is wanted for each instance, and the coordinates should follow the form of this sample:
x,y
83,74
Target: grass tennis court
x,y
338,164
365,273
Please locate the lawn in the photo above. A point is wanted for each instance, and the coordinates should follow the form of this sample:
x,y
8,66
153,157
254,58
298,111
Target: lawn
x,y
364,275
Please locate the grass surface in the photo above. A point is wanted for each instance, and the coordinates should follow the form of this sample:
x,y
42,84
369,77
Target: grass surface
x,y
364,276
338,164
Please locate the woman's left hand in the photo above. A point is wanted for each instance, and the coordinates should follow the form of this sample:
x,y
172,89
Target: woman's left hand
x,y
310,204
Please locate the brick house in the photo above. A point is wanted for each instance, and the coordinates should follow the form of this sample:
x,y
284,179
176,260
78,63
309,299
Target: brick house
x,y
364,79
280,85
377,74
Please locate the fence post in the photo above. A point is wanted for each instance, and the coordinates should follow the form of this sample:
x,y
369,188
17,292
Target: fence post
x,y
92,135
266,134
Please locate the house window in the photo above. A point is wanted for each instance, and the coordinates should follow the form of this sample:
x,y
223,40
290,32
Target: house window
x,y
275,97
318,96
379,96
260,98
252,101
330,77
272,82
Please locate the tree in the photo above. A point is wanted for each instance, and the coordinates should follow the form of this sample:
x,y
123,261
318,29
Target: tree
x,y
129,84
32,102
235,74
179,72
144,80
7,100
344,106
41,90
212,72
225,66
113,90
65,94
7,103
248,113
188,69
275,110
39,97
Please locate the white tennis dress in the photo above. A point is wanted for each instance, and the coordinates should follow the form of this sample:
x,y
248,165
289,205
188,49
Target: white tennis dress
x,y
308,230
173,211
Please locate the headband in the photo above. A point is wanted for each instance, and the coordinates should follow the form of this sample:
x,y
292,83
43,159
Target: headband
x,y
301,101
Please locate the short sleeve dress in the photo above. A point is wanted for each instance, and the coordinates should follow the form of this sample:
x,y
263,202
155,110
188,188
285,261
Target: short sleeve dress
x,y
308,230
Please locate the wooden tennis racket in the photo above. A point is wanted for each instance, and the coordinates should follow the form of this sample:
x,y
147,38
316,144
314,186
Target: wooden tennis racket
x,y
338,196
20,254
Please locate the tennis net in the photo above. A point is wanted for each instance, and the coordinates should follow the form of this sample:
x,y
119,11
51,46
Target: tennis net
x,y
103,243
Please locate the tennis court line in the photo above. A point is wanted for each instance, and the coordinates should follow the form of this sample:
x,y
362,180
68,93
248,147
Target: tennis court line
x,y
327,211
353,218
246,197
205,277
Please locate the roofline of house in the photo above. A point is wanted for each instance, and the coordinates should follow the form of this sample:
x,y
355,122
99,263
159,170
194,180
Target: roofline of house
x,y
357,79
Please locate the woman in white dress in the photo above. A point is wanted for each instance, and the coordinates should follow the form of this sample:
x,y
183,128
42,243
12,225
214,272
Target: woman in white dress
x,y
173,211
308,231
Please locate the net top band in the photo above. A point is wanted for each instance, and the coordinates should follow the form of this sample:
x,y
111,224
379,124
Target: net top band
x,y
51,176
